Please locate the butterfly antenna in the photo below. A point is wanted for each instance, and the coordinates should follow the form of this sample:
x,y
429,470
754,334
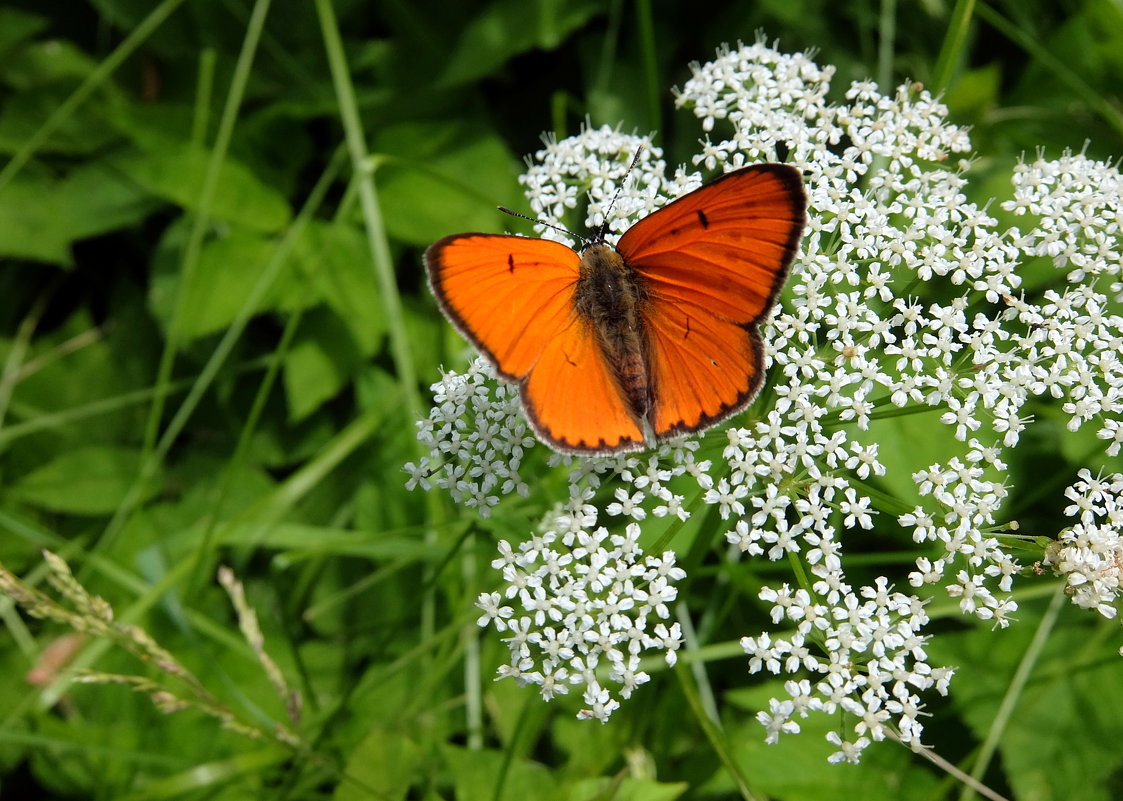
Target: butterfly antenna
x,y
602,229
506,210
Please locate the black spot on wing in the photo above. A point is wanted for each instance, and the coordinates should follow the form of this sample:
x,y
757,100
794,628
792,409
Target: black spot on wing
x,y
702,219
510,262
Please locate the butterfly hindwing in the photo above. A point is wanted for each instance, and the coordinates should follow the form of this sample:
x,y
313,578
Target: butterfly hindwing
x,y
572,398
704,368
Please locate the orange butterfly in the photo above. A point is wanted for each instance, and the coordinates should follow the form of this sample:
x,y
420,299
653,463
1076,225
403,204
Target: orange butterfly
x,y
617,348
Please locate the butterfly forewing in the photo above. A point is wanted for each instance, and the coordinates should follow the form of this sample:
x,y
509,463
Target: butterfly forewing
x,y
509,295
725,247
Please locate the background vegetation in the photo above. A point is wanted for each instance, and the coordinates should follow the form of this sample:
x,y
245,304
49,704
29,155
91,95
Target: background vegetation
x,y
216,338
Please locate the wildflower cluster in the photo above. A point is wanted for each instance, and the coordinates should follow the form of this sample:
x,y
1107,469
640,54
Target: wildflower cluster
x,y
587,598
588,169
906,298
1090,554
477,438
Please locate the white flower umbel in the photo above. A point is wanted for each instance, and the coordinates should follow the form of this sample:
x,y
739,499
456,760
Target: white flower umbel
x,y
906,298
586,599
1090,554
476,437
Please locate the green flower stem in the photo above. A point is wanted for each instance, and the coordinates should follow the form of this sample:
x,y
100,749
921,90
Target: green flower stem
x,y
653,88
887,39
264,283
1014,691
951,51
44,422
363,167
200,119
20,345
382,265
199,223
714,734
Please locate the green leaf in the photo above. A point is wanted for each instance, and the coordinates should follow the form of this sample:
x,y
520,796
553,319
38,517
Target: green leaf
x,y
30,224
152,127
506,28
976,89
41,217
622,789
1084,448
177,174
18,26
320,363
907,443
45,75
330,263
107,363
336,264
236,777
228,269
83,132
95,199
796,767
382,766
1061,741
443,179
55,61
90,480
476,774
588,751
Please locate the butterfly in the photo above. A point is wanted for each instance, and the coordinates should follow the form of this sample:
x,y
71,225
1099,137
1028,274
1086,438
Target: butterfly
x,y
616,348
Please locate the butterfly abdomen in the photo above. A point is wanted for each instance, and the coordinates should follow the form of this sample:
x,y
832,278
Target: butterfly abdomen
x,y
610,296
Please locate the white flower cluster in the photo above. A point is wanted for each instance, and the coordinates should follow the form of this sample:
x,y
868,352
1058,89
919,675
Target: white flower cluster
x,y
590,168
906,298
1090,554
476,436
1079,206
834,627
1071,348
577,598
587,599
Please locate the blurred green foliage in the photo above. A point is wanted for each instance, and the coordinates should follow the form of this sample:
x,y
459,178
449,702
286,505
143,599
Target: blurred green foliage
x,y
201,365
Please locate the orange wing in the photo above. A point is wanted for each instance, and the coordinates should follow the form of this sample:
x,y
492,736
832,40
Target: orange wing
x,y
512,297
726,247
508,295
704,369
714,262
572,399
